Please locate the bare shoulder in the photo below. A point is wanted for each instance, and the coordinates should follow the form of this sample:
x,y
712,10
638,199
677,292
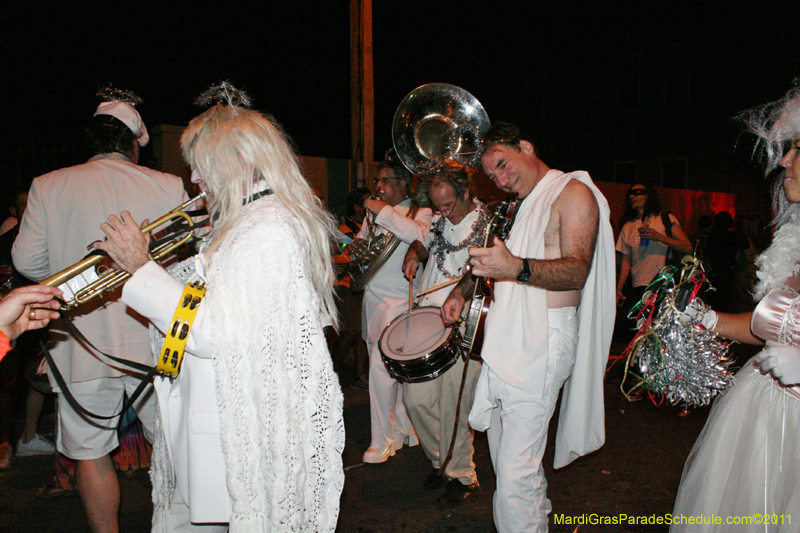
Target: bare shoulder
x,y
576,199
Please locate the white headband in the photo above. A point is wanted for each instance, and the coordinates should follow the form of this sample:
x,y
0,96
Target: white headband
x,y
128,116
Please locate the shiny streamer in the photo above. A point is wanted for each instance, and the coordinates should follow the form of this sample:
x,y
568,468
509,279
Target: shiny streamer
x,y
226,94
673,355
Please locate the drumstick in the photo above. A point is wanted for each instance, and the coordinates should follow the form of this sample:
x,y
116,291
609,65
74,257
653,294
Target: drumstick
x,y
410,295
440,286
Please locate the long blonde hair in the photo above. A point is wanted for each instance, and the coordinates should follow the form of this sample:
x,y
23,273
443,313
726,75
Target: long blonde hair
x,y
234,149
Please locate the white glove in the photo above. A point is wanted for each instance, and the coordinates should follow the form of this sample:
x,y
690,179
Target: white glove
x,y
782,361
698,311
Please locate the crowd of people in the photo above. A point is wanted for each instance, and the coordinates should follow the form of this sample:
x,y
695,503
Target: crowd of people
x,y
524,317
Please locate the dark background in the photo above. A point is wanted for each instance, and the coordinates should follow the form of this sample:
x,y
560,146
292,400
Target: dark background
x,y
627,90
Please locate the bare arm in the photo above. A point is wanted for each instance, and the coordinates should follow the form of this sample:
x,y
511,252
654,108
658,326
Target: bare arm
x,y
577,214
736,327
624,272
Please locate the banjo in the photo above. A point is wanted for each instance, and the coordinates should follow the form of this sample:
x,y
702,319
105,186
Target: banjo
x,y
483,293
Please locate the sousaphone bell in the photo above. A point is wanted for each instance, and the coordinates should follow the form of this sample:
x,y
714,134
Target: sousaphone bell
x,y
437,122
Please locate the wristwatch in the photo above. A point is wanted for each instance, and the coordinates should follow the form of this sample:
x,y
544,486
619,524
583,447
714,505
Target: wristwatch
x,y
525,275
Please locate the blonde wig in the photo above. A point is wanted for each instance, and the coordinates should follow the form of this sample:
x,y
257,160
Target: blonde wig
x,y
235,150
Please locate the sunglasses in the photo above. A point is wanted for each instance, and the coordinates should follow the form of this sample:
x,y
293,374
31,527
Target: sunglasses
x,y
637,192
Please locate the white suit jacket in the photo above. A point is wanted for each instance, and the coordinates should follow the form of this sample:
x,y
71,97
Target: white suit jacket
x,y
386,295
64,213
188,404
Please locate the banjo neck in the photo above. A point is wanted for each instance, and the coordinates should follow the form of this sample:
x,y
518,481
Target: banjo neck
x,y
483,292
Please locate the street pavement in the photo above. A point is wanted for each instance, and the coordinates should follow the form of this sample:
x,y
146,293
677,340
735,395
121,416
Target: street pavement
x,y
635,474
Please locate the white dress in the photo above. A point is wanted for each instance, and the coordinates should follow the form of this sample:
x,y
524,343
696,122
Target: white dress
x,y
747,458
746,461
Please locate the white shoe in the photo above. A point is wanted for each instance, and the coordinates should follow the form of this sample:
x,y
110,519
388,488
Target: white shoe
x,y
38,445
373,455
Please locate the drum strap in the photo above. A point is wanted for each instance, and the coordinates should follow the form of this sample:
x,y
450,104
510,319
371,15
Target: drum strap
x,y
458,415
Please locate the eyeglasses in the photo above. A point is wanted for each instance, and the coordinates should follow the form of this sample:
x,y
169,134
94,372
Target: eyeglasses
x,y
637,192
445,209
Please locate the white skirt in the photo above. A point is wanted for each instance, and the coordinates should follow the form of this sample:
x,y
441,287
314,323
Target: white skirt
x,y
746,461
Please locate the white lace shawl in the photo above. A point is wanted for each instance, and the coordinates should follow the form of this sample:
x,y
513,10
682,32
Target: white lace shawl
x,y
280,403
778,262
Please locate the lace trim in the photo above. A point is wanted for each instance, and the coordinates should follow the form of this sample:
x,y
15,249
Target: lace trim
x,y
791,322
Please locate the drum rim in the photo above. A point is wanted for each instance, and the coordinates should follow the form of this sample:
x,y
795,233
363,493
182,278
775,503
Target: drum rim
x,y
426,308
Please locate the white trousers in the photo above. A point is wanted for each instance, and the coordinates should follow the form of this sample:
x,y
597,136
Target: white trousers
x,y
388,418
431,406
517,430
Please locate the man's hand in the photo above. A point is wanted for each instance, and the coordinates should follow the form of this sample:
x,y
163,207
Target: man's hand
x,y
453,306
28,308
620,298
494,262
410,264
374,205
126,243
781,361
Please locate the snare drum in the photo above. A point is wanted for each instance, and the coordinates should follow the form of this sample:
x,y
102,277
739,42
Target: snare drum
x,y
417,345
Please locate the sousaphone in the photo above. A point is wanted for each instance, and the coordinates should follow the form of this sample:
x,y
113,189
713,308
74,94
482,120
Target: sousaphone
x,y
437,122
433,123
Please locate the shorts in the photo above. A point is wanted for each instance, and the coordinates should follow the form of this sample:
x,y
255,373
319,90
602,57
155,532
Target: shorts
x,y
83,438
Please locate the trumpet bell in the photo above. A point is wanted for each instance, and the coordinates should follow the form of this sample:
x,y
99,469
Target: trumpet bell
x,y
436,122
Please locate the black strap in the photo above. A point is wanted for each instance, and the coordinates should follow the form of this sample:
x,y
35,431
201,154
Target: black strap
x,y
78,407
139,367
172,236
256,196
667,223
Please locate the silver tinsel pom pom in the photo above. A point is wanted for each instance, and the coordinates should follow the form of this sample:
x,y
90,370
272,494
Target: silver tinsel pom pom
x,y
111,94
674,354
226,94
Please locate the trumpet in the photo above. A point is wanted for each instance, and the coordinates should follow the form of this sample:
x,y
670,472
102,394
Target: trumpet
x,y
81,283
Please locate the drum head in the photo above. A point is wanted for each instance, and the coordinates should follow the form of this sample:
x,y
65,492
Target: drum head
x,y
415,334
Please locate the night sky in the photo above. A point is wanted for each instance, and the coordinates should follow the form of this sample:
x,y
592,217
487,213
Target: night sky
x,y
293,58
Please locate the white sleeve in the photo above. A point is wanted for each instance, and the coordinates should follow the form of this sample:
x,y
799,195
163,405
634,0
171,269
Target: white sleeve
x,y
405,228
30,252
154,294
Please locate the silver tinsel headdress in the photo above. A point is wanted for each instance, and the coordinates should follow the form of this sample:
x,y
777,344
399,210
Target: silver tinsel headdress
x,y
112,94
226,94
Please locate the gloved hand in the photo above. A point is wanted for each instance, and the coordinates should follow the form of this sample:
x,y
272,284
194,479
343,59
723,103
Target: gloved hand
x,y
782,361
698,311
